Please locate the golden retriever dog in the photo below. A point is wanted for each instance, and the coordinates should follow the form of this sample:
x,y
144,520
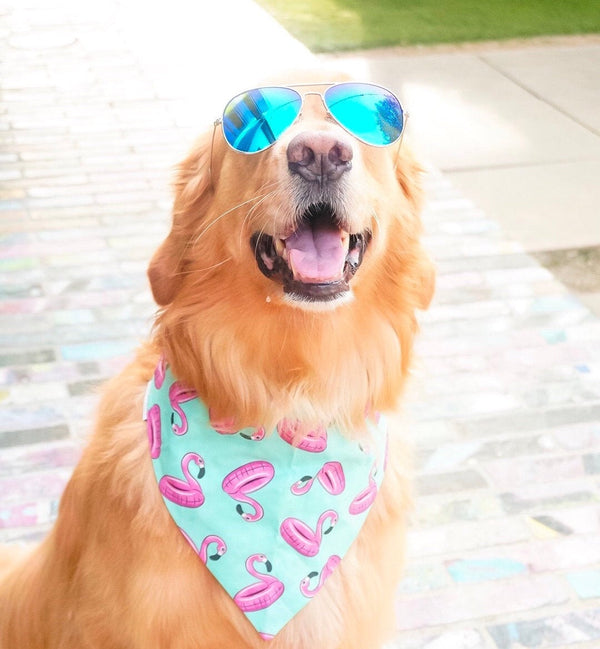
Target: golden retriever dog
x,y
288,287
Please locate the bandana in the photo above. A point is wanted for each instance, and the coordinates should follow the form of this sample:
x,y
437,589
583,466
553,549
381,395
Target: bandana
x,y
271,520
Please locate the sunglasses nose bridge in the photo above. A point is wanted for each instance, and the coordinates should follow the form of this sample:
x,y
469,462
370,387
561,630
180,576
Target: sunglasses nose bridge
x,y
311,109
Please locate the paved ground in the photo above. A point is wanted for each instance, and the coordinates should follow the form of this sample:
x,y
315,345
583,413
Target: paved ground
x,y
516,129
504,552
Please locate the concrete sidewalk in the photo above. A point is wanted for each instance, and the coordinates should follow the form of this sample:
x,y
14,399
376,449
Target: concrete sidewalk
x,y
516,128
97,105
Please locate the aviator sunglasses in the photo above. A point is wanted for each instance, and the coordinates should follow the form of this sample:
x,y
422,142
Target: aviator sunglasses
x,y
255,119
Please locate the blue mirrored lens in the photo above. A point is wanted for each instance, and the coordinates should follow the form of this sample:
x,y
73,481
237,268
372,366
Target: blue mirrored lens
x,y
371,113
253,120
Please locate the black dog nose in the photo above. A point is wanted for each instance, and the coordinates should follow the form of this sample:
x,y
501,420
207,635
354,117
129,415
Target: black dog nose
x,y
319,156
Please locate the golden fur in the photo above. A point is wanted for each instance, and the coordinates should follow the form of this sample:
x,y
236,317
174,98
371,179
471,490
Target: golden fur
x,y
100,580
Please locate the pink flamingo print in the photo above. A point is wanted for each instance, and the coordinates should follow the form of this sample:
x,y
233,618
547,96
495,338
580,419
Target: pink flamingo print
x,y
223,426
374,415
313,441
154,431
221,548
188,492
257,436
178,394
245,480
160,373
330,475
262,593
299,535
227,426
328,568
203,551
366,497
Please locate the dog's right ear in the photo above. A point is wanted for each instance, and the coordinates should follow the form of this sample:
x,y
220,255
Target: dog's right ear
x,y
164,271
193,192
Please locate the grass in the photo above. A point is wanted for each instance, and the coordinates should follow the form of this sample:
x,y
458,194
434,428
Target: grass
x,y
332,25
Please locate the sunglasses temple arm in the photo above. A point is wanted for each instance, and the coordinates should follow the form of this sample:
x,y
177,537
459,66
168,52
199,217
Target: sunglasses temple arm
x,y
212,143
406,116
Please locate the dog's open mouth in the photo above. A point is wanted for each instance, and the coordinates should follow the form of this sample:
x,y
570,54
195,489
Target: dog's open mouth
x,y
315,262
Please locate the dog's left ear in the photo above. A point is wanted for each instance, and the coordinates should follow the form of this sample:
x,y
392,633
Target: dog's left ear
x,y
410,177
193,192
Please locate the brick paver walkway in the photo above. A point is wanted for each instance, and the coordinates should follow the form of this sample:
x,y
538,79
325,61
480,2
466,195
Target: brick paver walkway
x,y
504,552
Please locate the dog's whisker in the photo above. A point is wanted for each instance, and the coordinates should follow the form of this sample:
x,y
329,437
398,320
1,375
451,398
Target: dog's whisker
x,y
247,218
251,212
259,203
260,234
205,269
375,218
258,198
194,240
208,226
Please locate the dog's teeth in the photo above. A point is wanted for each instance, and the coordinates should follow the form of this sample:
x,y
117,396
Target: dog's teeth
x,y
280,249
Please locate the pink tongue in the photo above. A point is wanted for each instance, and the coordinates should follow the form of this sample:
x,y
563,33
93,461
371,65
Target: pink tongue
x,y
316,253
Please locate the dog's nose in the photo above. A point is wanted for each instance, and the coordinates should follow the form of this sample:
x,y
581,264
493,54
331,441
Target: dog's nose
x,y
319,156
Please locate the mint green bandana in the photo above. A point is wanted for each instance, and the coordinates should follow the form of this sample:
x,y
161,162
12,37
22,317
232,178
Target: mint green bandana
x,y
271,521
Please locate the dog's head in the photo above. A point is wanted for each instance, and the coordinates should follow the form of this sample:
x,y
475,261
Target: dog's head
x,y
286,265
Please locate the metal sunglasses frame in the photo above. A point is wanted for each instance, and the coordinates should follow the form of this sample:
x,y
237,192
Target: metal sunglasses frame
x,y
329,84
293,86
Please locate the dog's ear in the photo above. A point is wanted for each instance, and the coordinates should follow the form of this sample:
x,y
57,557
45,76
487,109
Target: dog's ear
x,y
164,271
193,192
410,177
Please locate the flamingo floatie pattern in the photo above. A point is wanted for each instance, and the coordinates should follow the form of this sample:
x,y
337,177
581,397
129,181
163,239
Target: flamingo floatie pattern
x,y
328,568
247,479
257,436
300,536
188,492
330,475
178,394
313,440
209,540
154,431
219,550
227,426
264,592
269,513
366,497
160,373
